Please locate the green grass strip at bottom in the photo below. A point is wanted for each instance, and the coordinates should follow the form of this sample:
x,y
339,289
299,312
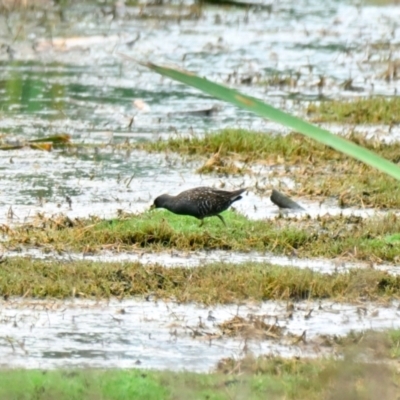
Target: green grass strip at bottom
x,y
79,385
253,379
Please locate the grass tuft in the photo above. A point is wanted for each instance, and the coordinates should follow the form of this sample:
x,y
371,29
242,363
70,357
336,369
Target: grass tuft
x,y
209,284
370,110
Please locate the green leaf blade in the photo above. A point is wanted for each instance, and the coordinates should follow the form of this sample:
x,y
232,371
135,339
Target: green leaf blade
x,y
264,110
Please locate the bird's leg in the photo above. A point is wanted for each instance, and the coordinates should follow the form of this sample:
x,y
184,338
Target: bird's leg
x,y
201,223
221,218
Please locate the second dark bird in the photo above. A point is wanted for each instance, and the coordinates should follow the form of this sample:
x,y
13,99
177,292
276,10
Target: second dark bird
x,y
200,202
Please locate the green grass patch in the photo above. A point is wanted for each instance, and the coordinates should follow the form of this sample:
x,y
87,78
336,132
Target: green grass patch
x,y
347,238
209,284
248,145
80,384
157,230
370,110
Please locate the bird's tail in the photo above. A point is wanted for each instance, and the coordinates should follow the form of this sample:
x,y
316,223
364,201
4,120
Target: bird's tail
x,y
236,194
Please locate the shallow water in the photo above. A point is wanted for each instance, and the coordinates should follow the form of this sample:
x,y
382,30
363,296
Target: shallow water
x,y
61,72
131,333
103,182
77,83
189,259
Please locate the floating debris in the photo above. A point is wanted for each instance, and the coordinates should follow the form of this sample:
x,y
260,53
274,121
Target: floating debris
x,y
217,164
239,4
141,105
208,112
45,144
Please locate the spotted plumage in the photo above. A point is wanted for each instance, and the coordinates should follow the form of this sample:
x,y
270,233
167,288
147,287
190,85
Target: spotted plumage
x,y
200,202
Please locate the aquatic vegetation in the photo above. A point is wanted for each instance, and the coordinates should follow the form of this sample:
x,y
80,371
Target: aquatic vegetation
x,y
210,284
370,110
247,145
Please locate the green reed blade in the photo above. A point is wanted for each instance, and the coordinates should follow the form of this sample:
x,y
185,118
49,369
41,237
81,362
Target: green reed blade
x,y
266,111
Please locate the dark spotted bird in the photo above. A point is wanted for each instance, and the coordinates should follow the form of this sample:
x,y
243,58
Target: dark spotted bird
x,y
200,202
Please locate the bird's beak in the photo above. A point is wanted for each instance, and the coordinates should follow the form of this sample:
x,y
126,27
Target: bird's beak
x,y
152,207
